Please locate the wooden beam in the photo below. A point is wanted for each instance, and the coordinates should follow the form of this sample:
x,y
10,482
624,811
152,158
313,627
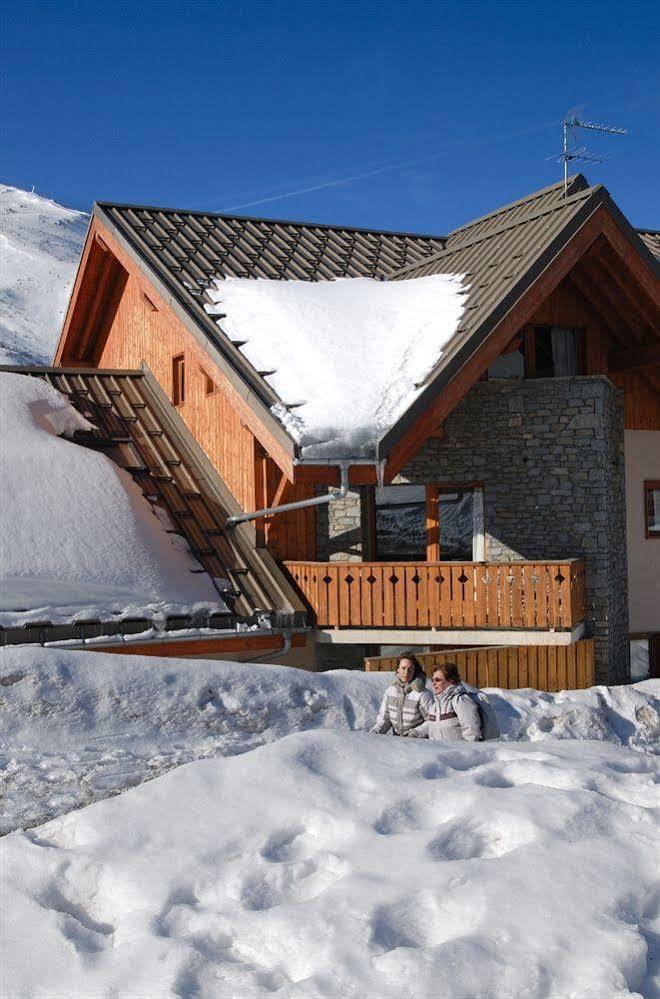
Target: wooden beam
x,y
636,357
636,298
201,646
328,475
592,293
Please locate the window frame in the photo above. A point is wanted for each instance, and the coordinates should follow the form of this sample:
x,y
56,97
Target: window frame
x,y
178,379
650,485
529,348
432,520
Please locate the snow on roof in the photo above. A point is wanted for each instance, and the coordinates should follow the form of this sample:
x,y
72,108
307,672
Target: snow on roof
x,y
77,537
348,354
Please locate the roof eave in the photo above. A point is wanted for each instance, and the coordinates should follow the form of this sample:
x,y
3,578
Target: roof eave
x,y
229,359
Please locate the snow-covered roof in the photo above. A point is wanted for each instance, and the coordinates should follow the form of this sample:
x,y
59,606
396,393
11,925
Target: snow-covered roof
x,y
77,537
346,357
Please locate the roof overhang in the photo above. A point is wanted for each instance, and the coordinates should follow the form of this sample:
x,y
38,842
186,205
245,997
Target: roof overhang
x,y
456,374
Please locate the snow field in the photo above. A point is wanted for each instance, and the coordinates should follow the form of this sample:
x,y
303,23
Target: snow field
x,y
40,244
338,863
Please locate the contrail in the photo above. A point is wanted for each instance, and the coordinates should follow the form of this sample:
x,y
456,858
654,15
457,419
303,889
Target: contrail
x,y
329,183
384,168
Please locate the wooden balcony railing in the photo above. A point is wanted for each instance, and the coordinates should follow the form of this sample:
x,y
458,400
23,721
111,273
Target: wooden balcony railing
x,y
525,595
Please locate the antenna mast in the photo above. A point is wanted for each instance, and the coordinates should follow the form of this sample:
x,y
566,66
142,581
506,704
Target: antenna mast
x,y
580,153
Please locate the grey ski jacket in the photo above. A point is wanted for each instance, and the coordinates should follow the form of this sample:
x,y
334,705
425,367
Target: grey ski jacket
x,y
404,706
453,717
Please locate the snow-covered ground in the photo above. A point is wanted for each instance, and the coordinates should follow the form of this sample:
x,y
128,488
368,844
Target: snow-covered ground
x,y
369,343
40,245
77,537
309,858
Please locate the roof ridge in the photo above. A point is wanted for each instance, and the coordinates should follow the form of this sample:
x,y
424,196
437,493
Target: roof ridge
x,y
576,179
108,205
498,230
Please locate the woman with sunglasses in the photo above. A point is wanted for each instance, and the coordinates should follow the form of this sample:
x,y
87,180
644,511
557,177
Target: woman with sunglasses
x,y
454,715
406,702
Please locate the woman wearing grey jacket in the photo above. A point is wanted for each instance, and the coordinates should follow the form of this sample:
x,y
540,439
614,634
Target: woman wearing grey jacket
x,y
406,702
454,715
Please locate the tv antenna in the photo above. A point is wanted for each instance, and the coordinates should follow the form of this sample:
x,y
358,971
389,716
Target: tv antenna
x,y
570,151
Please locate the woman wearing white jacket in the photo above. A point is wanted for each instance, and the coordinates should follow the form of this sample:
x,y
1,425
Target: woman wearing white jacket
x,y
454,715
406,702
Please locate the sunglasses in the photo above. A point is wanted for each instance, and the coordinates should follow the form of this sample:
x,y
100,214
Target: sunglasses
x,y
437,679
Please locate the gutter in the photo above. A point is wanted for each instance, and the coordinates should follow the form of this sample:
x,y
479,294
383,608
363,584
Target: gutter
x,y
331,497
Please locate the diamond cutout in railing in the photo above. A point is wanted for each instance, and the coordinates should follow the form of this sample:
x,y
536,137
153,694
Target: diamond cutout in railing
x,y
416,579
349,580
559,578
371,580
327,579
462,578
394,579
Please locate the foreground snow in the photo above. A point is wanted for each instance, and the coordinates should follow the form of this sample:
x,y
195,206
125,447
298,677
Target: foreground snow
x,y
40,244
77,537
343,864
369,344
309,859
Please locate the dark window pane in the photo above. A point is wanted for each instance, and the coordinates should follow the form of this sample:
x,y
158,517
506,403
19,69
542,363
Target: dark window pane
x,y
401,524
456,526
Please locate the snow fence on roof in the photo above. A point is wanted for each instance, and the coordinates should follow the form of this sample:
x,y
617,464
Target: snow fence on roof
x,y
77,537
348,355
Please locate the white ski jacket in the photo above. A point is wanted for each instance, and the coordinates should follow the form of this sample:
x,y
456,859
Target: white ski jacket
x,y
453,717
404,706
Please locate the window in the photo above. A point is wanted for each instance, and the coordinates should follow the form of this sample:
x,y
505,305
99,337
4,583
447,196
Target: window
x,y
652,508
178,379
552,351
209,384
428,523
401,524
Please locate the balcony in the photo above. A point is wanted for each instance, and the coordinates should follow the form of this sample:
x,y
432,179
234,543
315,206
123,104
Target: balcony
x,y
433,596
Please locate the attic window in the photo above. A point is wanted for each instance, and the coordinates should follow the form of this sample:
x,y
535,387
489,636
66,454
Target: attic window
x,y
209,384
178,379
149,304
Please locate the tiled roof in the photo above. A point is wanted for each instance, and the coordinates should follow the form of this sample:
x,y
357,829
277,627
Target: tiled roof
x,y
137,428
198,246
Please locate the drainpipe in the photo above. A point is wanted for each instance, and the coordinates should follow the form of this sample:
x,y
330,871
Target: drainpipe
x,y
341,493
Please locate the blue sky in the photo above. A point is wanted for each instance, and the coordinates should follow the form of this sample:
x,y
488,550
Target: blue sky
x,y
437,112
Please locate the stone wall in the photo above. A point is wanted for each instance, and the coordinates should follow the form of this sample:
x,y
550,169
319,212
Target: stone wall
x,y
550,455
339,533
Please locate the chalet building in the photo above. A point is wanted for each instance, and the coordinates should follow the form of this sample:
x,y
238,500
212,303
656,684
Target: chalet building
x,y
512,509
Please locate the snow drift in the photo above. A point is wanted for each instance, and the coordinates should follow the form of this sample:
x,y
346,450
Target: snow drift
x,y
77,537
40,244
78,726
349,354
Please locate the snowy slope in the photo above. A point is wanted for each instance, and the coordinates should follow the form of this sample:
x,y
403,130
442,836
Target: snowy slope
x,y
40,244
361,346
77,537
309,859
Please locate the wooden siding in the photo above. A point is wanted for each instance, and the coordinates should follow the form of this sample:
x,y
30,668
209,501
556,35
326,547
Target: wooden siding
x,y
144,328
542,667
525,595
641,401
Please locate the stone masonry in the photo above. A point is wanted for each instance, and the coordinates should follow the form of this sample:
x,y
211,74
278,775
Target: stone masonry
x,y
549,453
339,533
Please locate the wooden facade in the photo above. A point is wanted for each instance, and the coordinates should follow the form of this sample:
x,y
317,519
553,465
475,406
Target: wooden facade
x,y
542,667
